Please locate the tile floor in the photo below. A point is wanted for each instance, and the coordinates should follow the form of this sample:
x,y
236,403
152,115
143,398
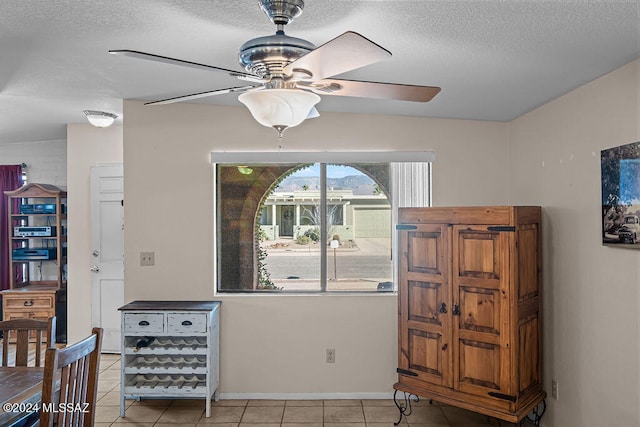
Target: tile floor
x,y
268,413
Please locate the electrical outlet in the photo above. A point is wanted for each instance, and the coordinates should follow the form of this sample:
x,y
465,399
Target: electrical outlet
x,y
331,355
554,389
147,259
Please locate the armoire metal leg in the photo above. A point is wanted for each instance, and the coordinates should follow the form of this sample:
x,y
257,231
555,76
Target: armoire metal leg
x,y
536,415
404,407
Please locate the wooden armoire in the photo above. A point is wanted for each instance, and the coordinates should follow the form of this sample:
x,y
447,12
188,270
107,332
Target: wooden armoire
x,y
470,308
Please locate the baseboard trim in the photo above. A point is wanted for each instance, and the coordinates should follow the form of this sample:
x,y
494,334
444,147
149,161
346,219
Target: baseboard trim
x,y
306,396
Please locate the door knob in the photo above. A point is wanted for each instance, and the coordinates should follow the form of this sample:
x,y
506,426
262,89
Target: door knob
x,y
95,253
95,268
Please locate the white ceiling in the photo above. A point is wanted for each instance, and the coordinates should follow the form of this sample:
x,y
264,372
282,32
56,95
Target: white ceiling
x,y
494,60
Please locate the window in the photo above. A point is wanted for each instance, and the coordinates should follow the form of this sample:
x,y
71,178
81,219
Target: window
x,y
304,227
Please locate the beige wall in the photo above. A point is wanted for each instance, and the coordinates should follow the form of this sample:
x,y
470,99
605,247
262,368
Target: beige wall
x,y
86,147
46,160
591,297
275,344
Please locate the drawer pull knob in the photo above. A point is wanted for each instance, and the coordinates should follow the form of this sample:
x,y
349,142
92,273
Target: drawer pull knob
x,y
28,303
143,323
187,323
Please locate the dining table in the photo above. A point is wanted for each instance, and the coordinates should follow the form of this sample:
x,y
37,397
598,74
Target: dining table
x,y
20,392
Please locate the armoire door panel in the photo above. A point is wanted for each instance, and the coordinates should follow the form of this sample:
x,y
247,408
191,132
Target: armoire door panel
x,y
424,253
425,353
528,262
529,353
479,365
479,310
425,302
478,254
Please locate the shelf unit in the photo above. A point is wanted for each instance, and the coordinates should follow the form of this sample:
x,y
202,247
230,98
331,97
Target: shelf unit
x,y
38,194
170,349
37,283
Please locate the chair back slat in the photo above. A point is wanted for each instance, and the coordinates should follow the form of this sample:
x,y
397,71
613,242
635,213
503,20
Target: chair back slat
x,y
76,366
23,331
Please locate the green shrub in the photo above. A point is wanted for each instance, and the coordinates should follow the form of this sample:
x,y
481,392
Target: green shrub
x,y
303,240
313,234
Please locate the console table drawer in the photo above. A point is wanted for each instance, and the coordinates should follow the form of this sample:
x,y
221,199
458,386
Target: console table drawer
x,y
186,323
144,323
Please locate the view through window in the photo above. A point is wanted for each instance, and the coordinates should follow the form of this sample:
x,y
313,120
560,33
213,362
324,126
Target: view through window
x,y
304,227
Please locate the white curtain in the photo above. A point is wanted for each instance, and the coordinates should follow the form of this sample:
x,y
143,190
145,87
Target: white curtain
x,y
411,184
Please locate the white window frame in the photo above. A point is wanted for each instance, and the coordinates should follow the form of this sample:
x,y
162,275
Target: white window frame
x,y
410,181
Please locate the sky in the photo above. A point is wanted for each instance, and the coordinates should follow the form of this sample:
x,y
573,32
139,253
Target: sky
x,y
333,171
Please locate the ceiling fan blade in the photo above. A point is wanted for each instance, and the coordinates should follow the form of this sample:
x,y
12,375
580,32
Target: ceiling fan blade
x,y
201,95
364,89
344,53
174,61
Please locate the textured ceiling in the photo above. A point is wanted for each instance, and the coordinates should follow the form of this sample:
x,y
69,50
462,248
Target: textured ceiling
x,y
494,60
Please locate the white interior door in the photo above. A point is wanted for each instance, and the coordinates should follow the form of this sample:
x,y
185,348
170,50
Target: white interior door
x,y
107,240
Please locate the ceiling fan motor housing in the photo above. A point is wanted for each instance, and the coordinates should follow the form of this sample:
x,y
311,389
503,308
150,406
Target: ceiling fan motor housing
x,y
267,56
281,12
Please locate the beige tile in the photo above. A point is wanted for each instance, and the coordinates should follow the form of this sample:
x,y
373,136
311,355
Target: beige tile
x,y
152,402
230,402
378,402
301,424
344,425
224,414
105,386
259,425
112,398
304,403
262,414
101,424
143,414
107,414
132,424
172,425
181,414
266,402
197,403
109,375
303,414
343,402
114,366
343,414
381,414
204,423
403,424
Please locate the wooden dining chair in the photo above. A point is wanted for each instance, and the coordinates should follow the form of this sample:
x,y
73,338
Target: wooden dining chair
x,y
71,382
27,331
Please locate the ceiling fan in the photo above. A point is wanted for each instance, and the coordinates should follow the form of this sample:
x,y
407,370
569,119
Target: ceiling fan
x,y
286,74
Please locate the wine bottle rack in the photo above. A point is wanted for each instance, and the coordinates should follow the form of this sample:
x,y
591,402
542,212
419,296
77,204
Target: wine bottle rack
x,y
170,350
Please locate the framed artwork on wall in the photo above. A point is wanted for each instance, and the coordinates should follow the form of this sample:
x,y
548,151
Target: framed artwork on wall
x,y
620,177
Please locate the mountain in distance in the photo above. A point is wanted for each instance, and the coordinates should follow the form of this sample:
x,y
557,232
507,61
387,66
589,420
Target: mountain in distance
x,y
359,184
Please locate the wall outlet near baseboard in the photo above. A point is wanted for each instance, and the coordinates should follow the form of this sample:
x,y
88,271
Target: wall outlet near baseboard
x,y
554,389
331,355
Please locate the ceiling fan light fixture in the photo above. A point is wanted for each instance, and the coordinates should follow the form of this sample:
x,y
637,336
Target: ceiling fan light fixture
x,y
100,119
280,108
